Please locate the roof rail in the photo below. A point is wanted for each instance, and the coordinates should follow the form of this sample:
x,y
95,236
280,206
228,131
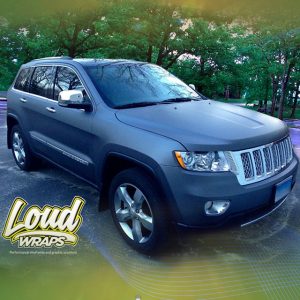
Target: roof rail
x,y
55,57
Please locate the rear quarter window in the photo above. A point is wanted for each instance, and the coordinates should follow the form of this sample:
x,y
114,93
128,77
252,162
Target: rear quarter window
x,y
23,80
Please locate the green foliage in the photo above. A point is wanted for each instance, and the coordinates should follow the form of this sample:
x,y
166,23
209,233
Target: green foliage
x,y
224,56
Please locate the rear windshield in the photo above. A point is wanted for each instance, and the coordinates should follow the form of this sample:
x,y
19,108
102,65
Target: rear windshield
x,y
122,84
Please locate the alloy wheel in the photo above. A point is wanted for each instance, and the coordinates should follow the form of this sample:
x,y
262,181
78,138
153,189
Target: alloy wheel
x,y
18,148
133,213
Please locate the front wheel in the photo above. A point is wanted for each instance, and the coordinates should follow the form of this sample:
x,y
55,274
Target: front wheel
x,y
137,210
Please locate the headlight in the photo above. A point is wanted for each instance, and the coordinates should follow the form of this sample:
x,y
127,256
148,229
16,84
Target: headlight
x,y
203,161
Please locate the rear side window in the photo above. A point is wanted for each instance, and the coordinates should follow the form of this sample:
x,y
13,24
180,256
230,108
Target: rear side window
x,y
42,82
23,80
67,79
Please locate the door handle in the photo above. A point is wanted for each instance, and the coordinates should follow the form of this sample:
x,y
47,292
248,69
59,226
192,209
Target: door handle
x,y
23,100
51,109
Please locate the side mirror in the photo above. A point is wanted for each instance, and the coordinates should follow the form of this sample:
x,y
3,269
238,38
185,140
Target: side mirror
x,y
192,86
73,99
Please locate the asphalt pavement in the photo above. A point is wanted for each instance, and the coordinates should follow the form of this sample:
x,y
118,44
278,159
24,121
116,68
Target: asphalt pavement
x,y
261,261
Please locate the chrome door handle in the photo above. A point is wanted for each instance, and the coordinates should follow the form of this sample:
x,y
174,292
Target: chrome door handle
x,y
23,100
51,109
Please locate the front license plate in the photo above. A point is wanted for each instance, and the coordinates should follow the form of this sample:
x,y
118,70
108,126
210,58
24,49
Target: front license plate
x,y
283,189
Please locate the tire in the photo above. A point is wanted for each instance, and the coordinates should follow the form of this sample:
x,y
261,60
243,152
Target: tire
x,y
138,212
22,154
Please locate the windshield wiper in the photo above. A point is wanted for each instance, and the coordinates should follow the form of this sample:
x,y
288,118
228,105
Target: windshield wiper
x,y
150,103
177,100
138,104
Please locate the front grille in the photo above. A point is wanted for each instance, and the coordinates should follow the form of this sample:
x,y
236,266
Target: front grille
x,y
256,164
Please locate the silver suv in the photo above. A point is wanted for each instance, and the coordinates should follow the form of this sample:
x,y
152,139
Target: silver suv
x,y
159,152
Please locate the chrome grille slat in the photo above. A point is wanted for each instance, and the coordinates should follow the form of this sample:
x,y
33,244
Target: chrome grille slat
x,y
259,167
247,165
276,158
282,154
258,163
268,160
285,152
290,148
287,149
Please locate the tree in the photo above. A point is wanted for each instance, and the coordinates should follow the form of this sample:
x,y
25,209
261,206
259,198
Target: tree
x,y
225,56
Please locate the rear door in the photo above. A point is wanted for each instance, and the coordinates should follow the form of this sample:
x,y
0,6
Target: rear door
x,y
18,97
39,98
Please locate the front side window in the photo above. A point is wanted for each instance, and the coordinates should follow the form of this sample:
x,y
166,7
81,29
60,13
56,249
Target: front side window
x,y
22,82
42,82
121,84
67,79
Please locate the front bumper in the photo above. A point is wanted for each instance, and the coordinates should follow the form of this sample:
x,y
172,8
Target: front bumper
x,y
191,190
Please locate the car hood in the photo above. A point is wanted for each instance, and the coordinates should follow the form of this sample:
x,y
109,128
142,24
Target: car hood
x,y
206,125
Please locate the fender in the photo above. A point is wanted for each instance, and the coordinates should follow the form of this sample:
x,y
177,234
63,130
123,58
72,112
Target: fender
x,y
145,163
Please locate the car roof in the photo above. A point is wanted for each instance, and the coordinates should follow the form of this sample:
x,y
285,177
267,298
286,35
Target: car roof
x,y
82,61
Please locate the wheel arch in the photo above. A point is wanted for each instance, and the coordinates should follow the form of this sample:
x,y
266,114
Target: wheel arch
x,y
11,121
117,162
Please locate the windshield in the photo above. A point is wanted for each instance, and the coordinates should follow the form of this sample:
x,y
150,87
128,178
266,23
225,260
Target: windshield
x,y
125,84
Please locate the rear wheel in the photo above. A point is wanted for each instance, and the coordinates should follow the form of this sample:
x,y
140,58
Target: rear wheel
x,y
137,210
23,156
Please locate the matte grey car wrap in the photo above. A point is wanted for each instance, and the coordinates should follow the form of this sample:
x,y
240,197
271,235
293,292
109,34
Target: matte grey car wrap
x,y
207,125
100,143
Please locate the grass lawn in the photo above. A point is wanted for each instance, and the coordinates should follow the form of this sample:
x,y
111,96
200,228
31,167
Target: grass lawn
x,y
286,114
231,100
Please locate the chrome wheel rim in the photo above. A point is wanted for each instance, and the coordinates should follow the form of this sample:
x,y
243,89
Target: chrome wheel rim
x,y
18,148
133,213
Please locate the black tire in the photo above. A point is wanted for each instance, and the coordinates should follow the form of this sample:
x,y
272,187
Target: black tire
x,y
29,161
133,180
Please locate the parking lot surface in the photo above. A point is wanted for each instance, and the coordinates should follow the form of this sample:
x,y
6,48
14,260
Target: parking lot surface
x,y
261,261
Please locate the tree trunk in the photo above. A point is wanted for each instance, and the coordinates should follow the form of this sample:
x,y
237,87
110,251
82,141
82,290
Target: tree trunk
x,y
292,116
72,51
149,54
163,44
266,95
274,94
227,92
172,61
202,66
239,93
284,83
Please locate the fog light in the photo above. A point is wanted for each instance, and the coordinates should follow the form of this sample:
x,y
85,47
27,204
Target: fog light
x,y
216,208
